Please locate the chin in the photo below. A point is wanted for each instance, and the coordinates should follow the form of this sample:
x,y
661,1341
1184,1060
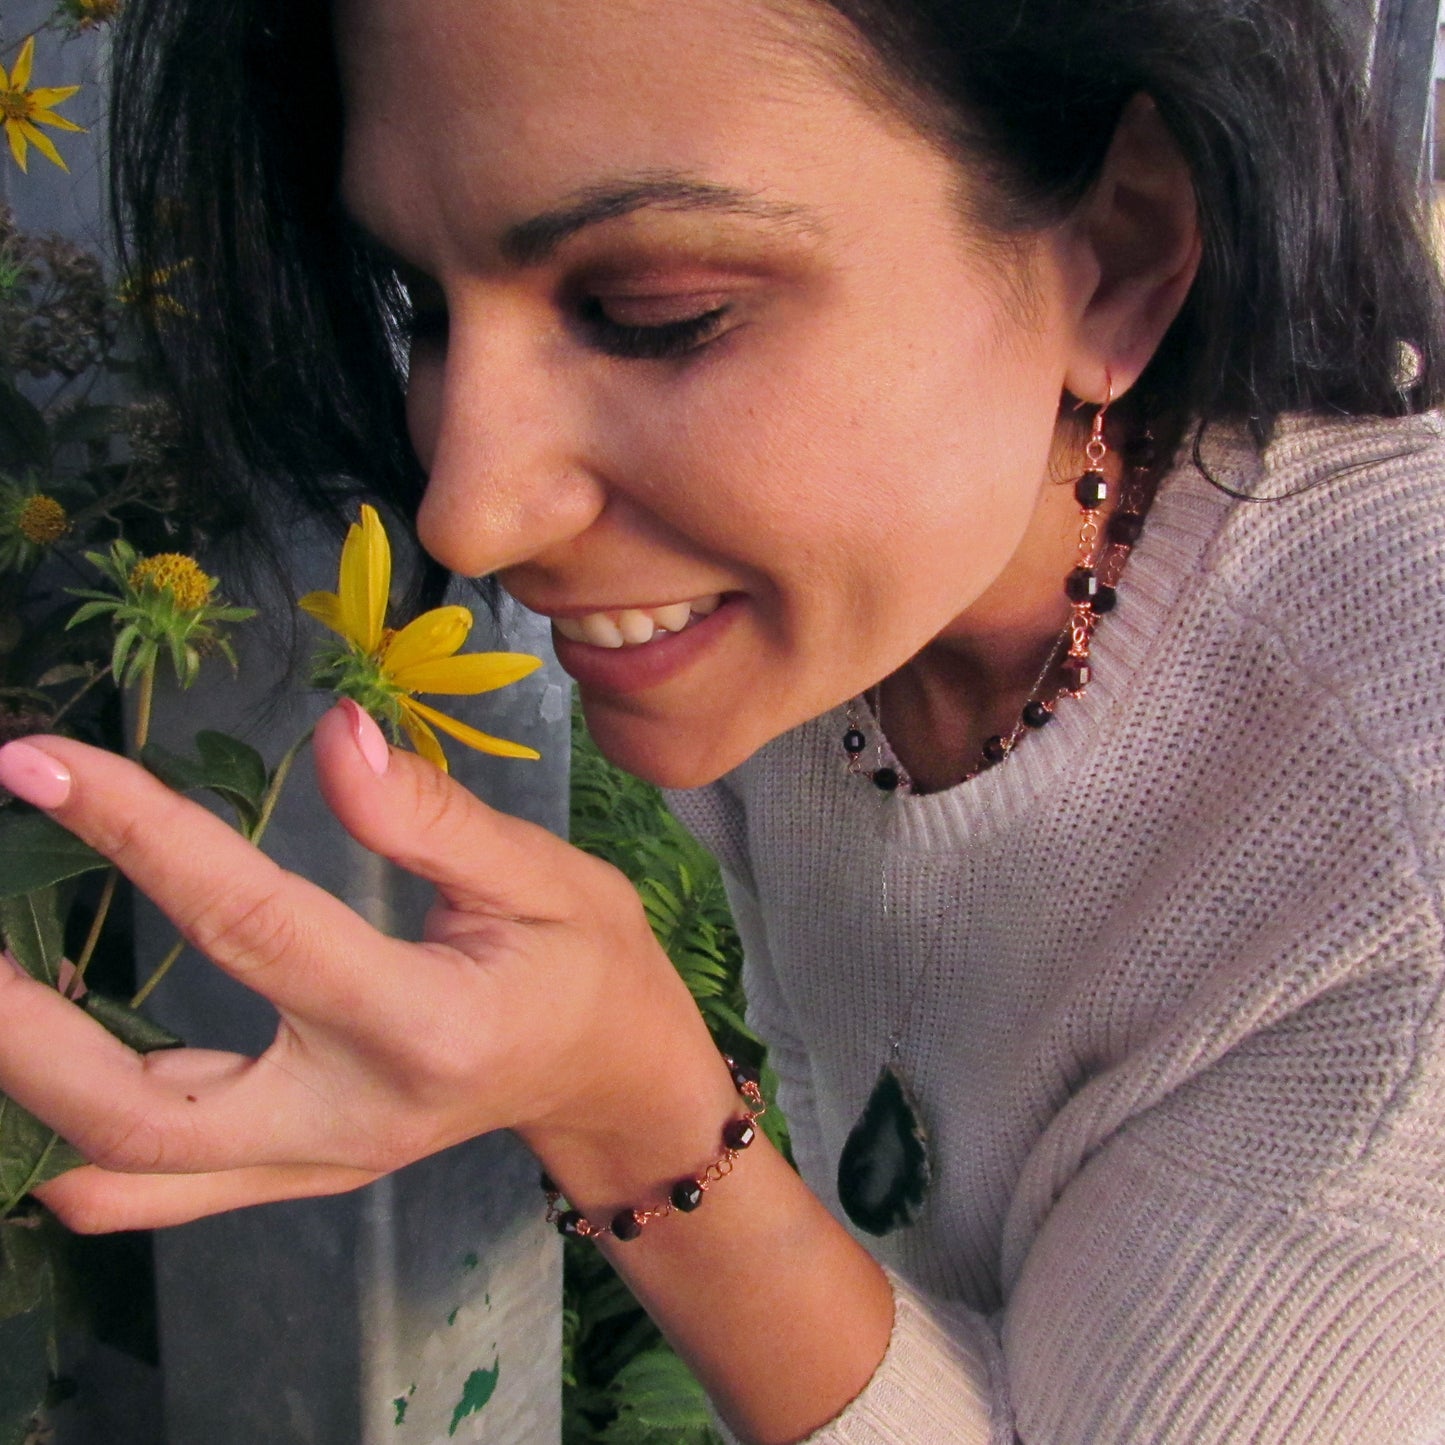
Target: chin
x,y
675,755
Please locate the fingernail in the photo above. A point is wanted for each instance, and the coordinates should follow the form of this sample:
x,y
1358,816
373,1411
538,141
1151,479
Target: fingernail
x,y
33,775
368,738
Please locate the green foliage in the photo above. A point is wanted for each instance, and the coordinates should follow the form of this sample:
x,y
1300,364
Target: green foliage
x,y
232,770
622,1384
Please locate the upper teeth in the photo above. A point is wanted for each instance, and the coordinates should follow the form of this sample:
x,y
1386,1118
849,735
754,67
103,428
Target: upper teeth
x,y
633,626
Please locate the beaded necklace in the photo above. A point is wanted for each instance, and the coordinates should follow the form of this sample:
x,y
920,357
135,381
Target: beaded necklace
x,y
886,1168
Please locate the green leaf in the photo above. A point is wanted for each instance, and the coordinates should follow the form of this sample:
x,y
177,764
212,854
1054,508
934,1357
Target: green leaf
x,y
133,1029
24,1372
32,931
35,851
30,1154
658,1399
227,767
25,1278
24,438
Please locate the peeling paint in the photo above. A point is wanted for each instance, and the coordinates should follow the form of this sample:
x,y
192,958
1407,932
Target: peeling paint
x,y
480,1386
402,1401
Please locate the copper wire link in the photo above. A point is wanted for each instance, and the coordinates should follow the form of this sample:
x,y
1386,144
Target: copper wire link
x,y
716,1171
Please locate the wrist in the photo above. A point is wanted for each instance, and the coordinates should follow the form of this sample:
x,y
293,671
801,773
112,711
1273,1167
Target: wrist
x,y
685,1129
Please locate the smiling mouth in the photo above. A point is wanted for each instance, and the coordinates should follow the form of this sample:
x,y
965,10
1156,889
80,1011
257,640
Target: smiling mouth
x,y
636,626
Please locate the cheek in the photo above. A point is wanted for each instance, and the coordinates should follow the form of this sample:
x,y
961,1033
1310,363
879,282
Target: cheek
x,y
425,376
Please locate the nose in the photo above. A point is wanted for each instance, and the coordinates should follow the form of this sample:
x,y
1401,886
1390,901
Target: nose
x,y
502,429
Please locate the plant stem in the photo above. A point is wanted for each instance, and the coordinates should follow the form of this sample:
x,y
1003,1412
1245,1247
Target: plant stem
x,y
143,704
161,970
107,895
79,693
268,806
278,781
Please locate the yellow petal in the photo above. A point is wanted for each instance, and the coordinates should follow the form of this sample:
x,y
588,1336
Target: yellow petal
x,y
16,138
483,742
20,76
52,94
57,122
325,607
424,740
43,144
365,580
435,634
471,673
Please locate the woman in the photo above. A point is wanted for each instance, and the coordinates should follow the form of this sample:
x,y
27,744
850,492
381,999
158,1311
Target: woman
x,y
856,329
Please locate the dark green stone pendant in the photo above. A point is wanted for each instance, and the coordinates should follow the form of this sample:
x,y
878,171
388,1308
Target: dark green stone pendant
x,y
884,1172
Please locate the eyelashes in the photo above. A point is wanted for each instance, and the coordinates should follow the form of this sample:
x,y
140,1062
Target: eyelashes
x,y
427,326
656,342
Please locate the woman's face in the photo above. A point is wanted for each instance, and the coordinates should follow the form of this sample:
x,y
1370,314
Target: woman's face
x,y
703,333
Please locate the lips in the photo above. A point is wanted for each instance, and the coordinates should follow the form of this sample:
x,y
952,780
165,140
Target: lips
x,y
635,626
613,666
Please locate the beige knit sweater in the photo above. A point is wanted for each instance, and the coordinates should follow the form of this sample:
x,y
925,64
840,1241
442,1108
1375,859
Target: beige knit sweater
x,y
1175,971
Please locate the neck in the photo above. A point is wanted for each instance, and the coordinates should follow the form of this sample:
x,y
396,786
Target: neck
x,y
971,682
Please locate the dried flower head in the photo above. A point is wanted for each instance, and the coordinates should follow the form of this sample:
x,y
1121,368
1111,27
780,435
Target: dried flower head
x,y
42,521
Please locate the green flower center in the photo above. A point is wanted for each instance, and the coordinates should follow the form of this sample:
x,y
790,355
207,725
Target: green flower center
x,y
16,105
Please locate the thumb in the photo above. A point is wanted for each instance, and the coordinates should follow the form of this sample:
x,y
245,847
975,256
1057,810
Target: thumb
x,y
406,809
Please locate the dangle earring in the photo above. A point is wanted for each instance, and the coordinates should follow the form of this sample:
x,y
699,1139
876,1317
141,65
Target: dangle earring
x,y
1083,586
1090,588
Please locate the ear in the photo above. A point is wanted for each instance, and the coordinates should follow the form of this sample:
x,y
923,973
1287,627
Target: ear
x,y
1139,228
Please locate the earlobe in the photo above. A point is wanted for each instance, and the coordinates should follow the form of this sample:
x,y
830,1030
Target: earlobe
x,y
1140,225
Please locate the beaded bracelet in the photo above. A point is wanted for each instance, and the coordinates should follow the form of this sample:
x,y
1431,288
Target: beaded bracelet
x,y
687,1193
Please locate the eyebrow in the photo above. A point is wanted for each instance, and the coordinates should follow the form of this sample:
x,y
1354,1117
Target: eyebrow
x,y
530,242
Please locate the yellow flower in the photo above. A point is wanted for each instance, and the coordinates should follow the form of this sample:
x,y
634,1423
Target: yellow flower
x,y
190,587
42,521
88,14
381,669
22,109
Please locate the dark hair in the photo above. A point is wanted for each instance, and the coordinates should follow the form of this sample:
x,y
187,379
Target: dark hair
x,y
1317,279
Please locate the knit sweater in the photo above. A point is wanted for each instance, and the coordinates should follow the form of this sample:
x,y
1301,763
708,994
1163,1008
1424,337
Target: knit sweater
x,y
1168,982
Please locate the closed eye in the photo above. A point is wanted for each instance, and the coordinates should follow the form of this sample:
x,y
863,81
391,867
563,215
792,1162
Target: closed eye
x,y
655,341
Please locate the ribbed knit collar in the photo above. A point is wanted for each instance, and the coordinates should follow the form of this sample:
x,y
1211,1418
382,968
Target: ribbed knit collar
x,y
1170,561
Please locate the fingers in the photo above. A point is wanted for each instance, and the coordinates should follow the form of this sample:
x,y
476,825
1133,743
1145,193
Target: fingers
x,y
95,1201
404,808
185,1111
229,900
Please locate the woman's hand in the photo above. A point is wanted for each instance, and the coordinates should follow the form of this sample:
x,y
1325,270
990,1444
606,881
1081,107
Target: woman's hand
x,y
537,1001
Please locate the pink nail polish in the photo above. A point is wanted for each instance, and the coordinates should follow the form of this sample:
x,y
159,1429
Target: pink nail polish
x,y
368,738
34,775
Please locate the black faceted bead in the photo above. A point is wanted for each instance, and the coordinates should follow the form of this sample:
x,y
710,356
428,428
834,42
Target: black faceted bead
x,y
686,1195
742,1075
854,742
567,1224
626,1225
1125,528
548,1187
739,1133
1036,715
1082,584
1105,600
1077,673
1091,491
995,750
885,779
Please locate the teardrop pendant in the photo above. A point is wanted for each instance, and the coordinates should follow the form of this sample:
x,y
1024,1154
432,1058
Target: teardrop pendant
x,y
884,1171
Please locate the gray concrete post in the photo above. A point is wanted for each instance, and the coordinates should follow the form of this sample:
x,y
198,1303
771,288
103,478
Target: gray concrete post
x,y
425,1308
